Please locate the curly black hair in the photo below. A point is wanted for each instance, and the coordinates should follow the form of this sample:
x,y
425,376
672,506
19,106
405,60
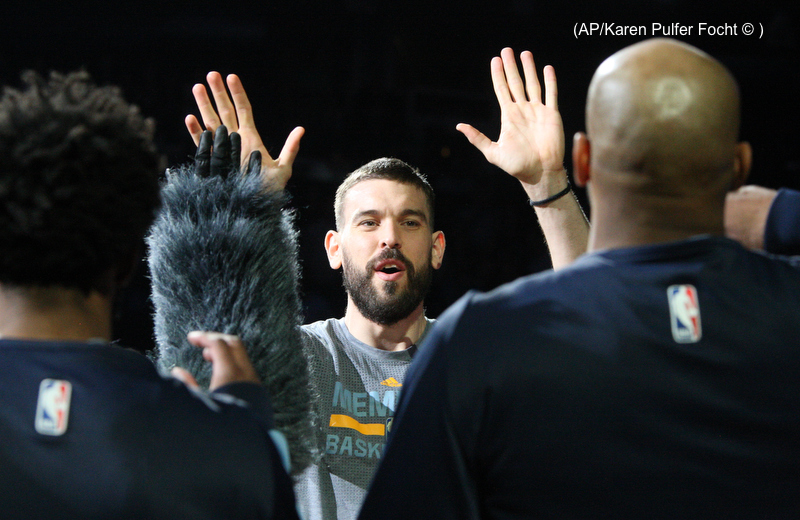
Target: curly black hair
x,y
79,182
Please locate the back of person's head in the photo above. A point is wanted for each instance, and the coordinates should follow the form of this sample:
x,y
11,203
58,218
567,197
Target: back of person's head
x,y
663,119
78,183
387,169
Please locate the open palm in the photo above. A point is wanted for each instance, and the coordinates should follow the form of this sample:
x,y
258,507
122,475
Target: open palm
x,y
531,140
236,113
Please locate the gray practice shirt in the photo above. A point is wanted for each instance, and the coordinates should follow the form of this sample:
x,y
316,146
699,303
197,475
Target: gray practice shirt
x,y
358,387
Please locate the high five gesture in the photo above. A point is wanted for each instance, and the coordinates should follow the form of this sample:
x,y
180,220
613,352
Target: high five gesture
x,y
235,112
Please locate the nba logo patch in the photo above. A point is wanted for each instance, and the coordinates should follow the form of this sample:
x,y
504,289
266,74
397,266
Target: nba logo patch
x,y
52,410
684,311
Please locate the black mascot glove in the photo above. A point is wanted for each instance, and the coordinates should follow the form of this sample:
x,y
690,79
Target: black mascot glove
x,y
224,156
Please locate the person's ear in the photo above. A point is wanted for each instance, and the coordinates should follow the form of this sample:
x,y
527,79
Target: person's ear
x,y
333,249
742,161
437,249
581,159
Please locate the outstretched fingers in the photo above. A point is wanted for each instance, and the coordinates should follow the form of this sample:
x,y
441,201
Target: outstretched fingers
x,y
509,86
244,110
194,127
223,114
234,111
531,78
515,85
499,82
225,108
207,112
550,87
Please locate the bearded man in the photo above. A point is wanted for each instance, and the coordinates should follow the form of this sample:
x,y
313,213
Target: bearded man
x,y
236,232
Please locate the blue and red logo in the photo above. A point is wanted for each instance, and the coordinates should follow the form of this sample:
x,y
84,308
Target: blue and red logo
x,y
684,310
52,410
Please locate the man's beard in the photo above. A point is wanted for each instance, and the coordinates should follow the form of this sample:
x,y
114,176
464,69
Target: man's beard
x,y
386,306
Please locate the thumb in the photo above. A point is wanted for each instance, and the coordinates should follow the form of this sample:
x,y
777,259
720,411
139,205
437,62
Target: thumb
x,y
291,146
185,377
476,138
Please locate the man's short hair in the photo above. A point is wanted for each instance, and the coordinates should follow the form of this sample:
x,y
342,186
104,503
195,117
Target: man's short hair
x,y
384,168
78,182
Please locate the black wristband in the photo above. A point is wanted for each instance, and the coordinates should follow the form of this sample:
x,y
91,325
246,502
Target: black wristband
x,y
551,198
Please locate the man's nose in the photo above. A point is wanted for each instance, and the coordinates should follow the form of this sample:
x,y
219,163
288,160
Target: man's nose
x,y
390,237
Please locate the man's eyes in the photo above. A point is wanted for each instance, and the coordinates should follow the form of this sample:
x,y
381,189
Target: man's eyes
x,y
405,223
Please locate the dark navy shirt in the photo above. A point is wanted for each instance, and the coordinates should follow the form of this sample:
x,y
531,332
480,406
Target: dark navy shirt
x,y
782,234
652,382
93,431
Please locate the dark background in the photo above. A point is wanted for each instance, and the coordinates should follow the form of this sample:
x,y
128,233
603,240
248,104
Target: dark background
x,y
376,78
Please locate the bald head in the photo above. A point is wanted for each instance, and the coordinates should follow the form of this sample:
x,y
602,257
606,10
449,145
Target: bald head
x,y
663,117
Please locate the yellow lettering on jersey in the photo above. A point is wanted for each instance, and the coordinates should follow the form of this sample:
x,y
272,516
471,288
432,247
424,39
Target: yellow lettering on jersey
x,y
343,421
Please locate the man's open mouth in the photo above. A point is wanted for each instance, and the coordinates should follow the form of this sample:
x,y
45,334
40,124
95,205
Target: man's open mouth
x,y
390,270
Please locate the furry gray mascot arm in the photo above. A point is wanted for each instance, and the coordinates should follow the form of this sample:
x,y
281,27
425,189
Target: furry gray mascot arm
x,y
223,257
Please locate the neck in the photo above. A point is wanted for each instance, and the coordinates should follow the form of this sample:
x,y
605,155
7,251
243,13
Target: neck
x,y
54,314
631,220
398,336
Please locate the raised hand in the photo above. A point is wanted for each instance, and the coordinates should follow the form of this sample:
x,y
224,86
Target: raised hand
x,y
531,142
531,149
235,112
